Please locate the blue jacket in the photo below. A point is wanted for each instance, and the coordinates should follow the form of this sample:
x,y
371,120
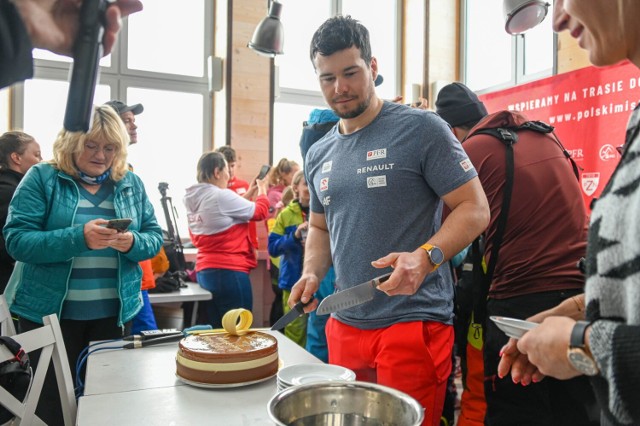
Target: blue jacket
x,y
39,233
282,242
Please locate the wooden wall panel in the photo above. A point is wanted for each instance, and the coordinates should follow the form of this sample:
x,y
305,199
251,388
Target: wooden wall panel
x,y
249,106
242,114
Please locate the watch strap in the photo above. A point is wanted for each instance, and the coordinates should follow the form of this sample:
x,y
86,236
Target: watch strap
x,y
428,247
577,334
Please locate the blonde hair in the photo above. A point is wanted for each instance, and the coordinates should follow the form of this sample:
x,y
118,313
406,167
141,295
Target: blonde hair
x,y
296,180
107,126
287,196
283,167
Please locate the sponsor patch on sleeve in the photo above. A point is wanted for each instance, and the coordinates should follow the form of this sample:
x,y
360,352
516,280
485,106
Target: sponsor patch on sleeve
x,y
324,184
466,165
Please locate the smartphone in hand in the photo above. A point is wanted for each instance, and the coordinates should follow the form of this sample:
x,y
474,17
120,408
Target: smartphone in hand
x,y
120,225
263,171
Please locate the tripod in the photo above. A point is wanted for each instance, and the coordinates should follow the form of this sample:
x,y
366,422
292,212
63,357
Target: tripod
x,y
177,261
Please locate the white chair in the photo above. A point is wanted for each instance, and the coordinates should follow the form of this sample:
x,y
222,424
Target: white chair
x,y
49,339
6,323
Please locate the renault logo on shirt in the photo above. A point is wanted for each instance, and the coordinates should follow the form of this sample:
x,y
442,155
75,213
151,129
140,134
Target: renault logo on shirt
x,y
376,154
375,168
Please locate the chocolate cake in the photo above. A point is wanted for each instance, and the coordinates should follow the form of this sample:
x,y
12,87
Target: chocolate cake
x,y
227,359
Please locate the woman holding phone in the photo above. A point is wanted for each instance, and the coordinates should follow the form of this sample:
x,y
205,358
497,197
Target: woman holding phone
x,y
74,265
219,228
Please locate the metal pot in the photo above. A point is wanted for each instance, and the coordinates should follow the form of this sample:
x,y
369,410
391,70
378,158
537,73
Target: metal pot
x,y
346,404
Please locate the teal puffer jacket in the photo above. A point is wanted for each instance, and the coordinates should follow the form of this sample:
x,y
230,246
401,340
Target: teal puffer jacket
x,y
39,233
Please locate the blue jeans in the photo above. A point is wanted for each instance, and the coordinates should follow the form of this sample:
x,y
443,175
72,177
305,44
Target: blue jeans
x,y
230,290
145,319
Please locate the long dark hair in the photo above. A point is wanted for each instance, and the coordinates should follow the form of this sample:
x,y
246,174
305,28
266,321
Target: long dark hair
x,y
11,142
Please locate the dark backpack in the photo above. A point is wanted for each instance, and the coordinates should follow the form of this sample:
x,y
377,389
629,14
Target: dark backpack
x,y
320,122
15,375
481,279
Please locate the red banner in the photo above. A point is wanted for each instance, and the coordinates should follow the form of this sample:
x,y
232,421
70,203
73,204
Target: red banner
x,y
589,108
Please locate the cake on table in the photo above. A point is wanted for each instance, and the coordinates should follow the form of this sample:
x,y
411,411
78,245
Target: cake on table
x,y
226,359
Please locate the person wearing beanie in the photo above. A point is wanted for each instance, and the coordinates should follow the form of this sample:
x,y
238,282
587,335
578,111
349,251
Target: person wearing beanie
x,y
544,238
459,106
362,222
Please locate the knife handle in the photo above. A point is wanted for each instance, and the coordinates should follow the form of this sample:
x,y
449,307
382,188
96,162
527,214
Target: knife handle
x,y
381,279
300,306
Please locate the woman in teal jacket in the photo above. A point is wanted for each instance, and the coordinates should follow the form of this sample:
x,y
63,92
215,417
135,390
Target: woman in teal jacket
x,y
73,264
286,241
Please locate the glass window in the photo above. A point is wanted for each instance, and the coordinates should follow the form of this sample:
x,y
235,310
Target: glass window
x,y
538,48
287,129
381,22
493,58
151,44
43,119
169,145
486,67
298,84
45,54
173,129
295,67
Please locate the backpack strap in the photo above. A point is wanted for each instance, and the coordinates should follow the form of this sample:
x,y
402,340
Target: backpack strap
x,y
14,347
542,127
508,137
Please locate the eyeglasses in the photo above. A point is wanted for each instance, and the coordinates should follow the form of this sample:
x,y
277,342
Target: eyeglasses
x,y
94,148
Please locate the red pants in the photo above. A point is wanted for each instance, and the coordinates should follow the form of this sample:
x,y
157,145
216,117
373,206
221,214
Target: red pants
x,y
412,357
473,406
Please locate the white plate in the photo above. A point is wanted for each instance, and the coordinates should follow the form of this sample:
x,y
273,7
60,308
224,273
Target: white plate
x,y
513,327
221,385
299,374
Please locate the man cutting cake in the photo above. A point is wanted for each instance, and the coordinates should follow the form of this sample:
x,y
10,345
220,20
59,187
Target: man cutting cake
x,y
378,182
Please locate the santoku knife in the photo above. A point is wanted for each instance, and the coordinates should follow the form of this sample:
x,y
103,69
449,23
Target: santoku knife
x,y
352,296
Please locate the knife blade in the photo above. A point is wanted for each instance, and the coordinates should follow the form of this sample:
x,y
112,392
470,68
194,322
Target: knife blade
x,y
295,312
350,297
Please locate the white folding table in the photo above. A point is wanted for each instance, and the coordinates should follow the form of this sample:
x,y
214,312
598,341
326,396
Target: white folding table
x,y
139,387
191,293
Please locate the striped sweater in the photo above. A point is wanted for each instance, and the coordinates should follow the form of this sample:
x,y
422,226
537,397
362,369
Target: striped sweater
x,y
613,287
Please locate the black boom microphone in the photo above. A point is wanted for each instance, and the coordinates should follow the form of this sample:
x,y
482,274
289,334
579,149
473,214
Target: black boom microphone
x,y
87,52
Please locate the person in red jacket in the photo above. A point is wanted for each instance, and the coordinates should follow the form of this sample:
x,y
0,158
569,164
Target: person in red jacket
x,y
219,228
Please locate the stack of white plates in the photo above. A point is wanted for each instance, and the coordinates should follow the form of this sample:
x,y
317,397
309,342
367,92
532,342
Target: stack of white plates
x,y
300,374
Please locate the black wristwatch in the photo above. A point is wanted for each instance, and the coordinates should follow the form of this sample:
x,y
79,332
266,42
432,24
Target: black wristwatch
x,y
578,353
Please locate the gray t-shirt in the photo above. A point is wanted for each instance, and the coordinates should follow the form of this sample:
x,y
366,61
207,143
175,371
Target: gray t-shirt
x,y
380,190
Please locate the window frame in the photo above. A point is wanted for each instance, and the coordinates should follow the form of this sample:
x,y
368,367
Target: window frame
x,y
283,94
517,56
119,77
